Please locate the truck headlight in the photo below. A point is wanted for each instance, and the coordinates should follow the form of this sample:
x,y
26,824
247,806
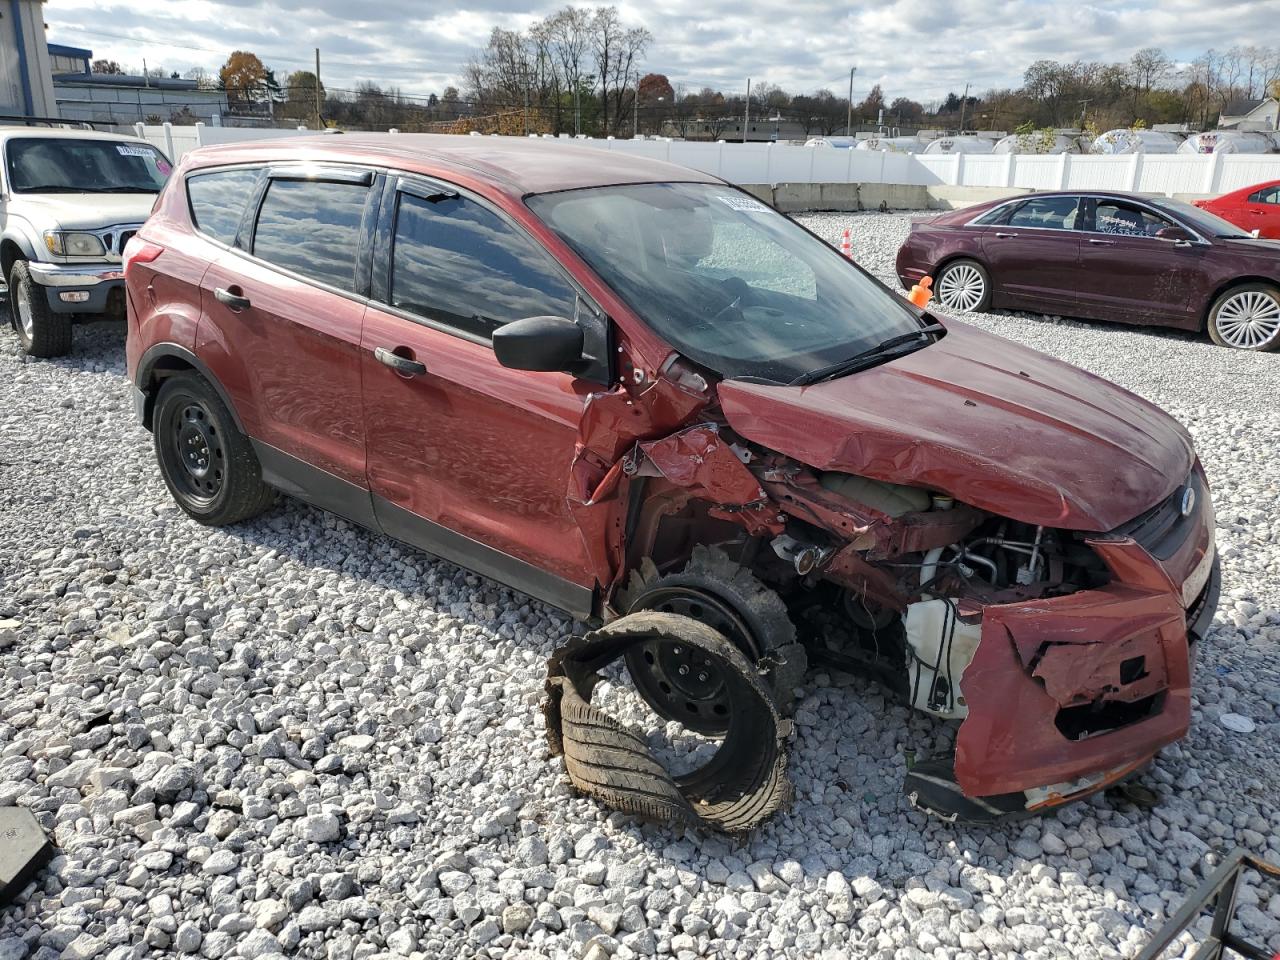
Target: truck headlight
x,y
74,244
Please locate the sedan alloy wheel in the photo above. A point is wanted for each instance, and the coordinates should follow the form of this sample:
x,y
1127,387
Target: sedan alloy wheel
x,y
962,287
1248,319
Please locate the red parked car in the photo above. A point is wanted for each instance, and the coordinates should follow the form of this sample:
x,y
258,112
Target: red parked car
x,y
1103,256
1250,208
620,385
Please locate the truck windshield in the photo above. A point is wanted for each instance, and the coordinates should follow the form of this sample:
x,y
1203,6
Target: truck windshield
x,y
726,280
66,165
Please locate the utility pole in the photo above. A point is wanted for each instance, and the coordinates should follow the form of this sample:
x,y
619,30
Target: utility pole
x,y
319,99
964,102
635,110
577,110
146,82
746,117
848,123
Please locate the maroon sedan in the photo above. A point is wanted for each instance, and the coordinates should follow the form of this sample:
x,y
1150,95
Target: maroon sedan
x,y
1104,256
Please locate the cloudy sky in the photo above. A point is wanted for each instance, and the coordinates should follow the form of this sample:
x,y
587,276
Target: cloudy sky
x,y
916,48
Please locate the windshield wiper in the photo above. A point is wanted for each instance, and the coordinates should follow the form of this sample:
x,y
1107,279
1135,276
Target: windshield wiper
x,y
62,188
122,190
893,347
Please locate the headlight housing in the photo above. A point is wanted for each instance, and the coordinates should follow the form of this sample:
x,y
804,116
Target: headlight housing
x,y
68,244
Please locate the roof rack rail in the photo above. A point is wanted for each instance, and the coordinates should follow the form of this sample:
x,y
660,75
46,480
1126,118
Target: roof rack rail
x,y
47,122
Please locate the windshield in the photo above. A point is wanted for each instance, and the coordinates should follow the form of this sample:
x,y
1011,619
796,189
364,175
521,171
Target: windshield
x,y
726,280
1202,221
64,165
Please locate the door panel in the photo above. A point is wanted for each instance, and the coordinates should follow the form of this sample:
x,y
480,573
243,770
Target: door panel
x,y
1034,258
473,447
1135,277
290,361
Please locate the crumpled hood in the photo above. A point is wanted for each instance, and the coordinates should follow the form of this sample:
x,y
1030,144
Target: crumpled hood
x,y
991,423
81,211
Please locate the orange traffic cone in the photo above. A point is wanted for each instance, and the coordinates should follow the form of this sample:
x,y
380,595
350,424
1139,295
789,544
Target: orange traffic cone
x,y
922,292
846,245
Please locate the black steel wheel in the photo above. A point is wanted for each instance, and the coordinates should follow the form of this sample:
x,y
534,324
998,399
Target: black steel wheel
x,y
713,589
686,682
207,463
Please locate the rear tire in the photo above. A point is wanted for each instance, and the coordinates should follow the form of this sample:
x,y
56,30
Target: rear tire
x,y
42,332
208,465
1246,317
963,286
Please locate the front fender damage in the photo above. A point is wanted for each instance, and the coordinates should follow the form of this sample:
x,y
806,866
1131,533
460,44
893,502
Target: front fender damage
x,y
742,785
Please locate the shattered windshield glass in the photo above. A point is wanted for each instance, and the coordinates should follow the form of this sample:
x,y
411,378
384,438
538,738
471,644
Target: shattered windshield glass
x,y
728,281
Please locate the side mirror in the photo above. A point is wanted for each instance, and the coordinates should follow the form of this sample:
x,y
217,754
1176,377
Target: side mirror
x,y
1175,235
538,343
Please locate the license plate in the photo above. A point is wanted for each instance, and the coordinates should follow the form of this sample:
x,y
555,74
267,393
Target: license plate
x,y
1198,577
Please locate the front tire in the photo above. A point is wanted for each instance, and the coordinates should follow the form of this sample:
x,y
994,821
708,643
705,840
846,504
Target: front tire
x,y
963,286
42,332
1246,317
208,465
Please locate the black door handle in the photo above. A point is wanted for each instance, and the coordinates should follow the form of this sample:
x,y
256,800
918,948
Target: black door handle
x,y
410,368
235,301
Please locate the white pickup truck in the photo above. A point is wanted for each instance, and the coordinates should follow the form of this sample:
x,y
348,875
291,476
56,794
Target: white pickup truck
x,y
69,201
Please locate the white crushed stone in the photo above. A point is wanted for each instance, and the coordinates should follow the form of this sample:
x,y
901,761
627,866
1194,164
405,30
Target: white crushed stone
x,y
296,737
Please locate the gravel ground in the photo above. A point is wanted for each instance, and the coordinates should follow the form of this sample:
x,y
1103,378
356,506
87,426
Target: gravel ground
x,y
295,737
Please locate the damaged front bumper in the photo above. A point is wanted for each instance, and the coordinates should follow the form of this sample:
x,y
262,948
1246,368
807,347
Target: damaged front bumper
x,y
1069,695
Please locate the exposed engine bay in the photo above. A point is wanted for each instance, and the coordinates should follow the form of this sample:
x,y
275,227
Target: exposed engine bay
x,y
1039,641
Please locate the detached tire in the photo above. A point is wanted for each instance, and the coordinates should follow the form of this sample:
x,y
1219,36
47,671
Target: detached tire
x,y
42,332
963,286
676,681
208,465
1247,317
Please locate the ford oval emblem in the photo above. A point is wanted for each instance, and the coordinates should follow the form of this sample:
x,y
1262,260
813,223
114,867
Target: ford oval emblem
x,y
1188,501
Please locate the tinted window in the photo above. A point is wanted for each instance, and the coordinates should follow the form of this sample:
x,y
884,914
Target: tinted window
x,y
312,227
998,215
457,262
1126,219
218,201
68,165
1267,195
1052,213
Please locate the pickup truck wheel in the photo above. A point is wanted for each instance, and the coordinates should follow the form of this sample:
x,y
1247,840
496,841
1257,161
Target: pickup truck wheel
x,y
207,463
43,332
1247,317
678,682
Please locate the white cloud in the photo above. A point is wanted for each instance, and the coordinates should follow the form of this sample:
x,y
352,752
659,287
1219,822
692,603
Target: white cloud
x,y
917,48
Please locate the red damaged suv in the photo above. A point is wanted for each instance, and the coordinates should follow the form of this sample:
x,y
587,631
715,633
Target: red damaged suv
x,y
624,387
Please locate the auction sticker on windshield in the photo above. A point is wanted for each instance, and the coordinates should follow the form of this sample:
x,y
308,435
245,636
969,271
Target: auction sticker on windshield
x,y
745,204
128,150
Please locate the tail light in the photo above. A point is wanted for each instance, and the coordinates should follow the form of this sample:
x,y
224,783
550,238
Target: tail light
x,y
138,250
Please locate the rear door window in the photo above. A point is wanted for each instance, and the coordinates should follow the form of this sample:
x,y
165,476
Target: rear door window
x,y
460,264
312,228
218,201
1266,195
1047,213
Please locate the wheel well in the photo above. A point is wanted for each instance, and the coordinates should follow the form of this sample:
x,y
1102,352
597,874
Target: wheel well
x,y
10,252
960,256
1231,285
162,368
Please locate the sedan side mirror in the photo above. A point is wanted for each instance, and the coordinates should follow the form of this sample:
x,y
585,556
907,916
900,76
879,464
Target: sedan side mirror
x,y
538,343
1175,235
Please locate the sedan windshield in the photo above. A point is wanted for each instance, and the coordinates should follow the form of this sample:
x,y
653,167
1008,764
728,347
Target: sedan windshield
x,y
728,281
1202,221
66,165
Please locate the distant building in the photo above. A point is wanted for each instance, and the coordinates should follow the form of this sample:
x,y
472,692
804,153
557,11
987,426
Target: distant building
x,y
1251,115
26,87
760,129
124,99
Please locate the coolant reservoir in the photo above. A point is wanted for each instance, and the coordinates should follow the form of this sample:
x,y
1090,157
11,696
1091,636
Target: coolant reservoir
x,y
891,498
940,647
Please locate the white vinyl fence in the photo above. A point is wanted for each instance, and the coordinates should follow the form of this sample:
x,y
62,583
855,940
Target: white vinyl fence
x,y
768,163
